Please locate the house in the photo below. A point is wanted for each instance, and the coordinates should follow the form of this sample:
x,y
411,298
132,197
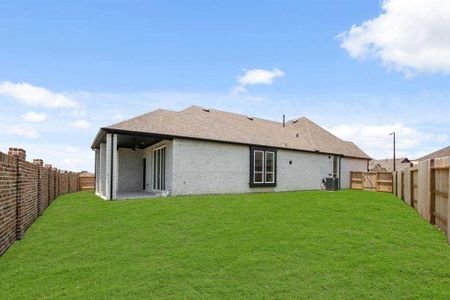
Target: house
x,y
207,151
387,165
436,154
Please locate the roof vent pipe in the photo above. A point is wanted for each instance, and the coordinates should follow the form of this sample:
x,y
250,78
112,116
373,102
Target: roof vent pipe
x,y
284,121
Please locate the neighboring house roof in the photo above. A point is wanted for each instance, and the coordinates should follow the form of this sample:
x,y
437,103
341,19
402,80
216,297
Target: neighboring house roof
x,y
388,165
439,153
215,125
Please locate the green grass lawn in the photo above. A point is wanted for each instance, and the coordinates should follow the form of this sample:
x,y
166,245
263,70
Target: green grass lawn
x,y
347,244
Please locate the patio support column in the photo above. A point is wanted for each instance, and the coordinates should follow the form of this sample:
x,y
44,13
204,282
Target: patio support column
x,y
102,171
96,171
111,166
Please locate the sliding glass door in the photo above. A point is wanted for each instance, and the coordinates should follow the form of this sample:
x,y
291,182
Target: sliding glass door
x,y
159,169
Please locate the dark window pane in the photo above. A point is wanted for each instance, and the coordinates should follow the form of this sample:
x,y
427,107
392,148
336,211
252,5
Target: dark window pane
x,y
158,168
269,177
258,177
259,157
163,169
335,166
269,161
154,170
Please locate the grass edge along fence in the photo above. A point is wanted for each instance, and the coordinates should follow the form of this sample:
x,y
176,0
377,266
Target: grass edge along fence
x,y
26,190
425,186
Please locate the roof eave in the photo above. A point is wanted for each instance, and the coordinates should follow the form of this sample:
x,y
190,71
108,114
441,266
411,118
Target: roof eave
x,y
105,130
100,135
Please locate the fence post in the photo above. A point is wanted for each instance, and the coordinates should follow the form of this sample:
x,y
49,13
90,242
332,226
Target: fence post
x,y
397,182
411,188
402,186
432,195
394,183
376,182
39,163
448,203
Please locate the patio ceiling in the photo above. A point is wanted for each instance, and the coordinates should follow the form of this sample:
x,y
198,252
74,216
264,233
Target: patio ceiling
x,y
132,140
136,142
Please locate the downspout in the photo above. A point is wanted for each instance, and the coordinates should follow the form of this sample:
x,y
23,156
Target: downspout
x,y
339,181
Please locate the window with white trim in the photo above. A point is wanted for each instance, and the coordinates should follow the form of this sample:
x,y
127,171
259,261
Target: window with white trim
x,y
269,170
258,166
262,166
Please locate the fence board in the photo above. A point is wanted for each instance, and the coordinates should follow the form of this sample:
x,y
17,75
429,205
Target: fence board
x,y
384,182
441,191
87,182
371,181
414,187
407,187
423,189
426,187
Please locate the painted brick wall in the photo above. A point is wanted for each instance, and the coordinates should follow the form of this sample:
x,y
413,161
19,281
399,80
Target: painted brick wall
x,y
8,189
26,190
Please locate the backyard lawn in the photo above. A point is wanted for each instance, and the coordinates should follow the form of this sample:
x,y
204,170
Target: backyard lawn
x,y
347,244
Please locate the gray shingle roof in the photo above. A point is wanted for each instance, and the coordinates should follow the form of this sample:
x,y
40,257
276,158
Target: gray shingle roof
x,y
439,153
388,165
211,124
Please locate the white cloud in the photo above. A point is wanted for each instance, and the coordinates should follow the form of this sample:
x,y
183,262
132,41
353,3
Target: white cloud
x,y
259,76
376,141
36,96
23,131
238,89
410,36
62,156
82,124
253,77
34,117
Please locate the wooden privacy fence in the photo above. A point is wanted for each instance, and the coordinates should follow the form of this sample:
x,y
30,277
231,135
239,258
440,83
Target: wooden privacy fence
x,y
86,181
372,181
426,188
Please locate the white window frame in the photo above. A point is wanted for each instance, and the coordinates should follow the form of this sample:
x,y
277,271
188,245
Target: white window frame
x,y
263,167
159,183
265,155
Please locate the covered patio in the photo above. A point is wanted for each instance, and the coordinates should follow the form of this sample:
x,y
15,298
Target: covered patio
x,y
129,165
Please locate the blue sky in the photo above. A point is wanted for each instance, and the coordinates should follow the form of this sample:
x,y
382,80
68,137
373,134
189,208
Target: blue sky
x,y
69,67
